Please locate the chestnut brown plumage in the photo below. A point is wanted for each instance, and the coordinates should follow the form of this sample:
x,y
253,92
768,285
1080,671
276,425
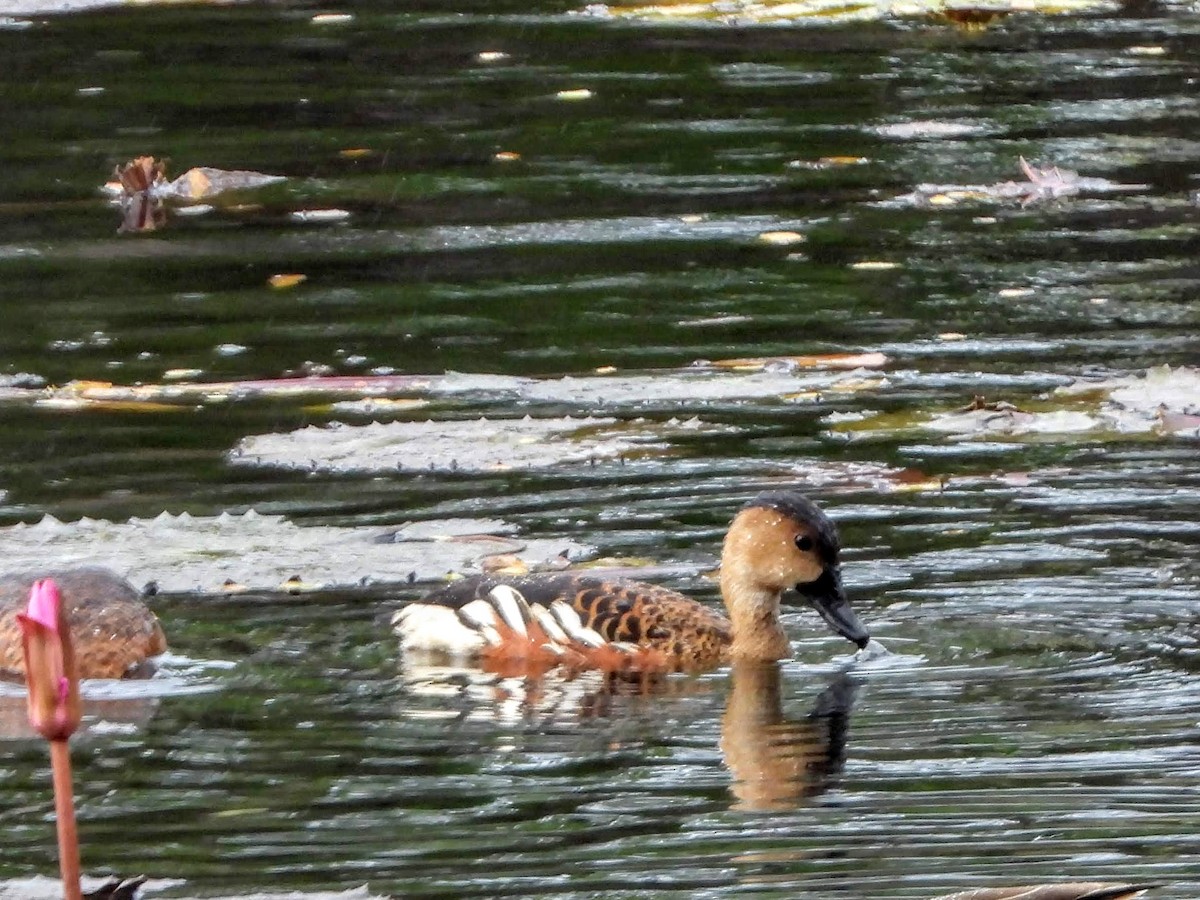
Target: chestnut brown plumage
x,y
115,633
779,541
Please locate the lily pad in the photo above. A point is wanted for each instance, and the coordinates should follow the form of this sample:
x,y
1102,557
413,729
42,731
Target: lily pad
x,y
264,552
779,377
480,445
1162,401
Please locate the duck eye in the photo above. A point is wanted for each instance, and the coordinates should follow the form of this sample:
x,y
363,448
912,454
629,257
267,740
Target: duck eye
x,y
804,542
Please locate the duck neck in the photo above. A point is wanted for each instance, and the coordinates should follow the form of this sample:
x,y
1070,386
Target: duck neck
x,y
758,634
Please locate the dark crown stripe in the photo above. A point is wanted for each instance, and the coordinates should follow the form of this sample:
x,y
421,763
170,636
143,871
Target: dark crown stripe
x,y
799,508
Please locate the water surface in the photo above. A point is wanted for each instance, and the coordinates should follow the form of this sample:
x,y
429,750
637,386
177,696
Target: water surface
x,y
546,254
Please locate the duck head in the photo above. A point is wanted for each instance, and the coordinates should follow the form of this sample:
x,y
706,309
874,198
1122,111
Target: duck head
x,y
781,540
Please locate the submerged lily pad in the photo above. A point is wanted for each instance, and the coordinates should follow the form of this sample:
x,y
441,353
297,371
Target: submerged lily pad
x,y
480,445
186,553
766,12
1162,401
780,377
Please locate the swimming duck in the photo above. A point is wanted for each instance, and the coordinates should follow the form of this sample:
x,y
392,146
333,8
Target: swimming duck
x,y
114,632
777,541
1080,890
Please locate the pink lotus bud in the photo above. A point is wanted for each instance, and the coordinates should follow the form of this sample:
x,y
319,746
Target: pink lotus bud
x,y
54,705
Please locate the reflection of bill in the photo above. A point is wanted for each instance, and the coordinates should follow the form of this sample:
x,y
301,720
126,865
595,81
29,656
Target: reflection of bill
x,y
778,763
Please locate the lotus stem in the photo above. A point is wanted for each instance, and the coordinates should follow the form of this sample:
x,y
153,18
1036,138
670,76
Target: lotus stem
x,y
64,809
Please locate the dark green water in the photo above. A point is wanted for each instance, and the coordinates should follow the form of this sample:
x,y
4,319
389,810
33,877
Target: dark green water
x,y
1039,720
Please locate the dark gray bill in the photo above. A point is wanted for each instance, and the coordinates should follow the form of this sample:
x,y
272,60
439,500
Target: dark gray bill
x,y
828,598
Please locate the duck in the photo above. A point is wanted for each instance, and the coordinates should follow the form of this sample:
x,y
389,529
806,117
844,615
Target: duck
x,y
1077,890
780,540
116,635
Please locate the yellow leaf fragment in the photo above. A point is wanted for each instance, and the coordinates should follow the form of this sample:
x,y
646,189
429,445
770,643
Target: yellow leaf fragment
x,y
283,282
355,152
507,156
617,562
194,183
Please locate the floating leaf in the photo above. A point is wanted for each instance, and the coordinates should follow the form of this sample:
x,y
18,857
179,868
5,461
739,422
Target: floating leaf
x,y
1041,183
283,282
870,360
233,553
480,445
781,238
1163,400
320,216
204,182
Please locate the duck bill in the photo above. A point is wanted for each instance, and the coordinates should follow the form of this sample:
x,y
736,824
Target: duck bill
x,y
827,598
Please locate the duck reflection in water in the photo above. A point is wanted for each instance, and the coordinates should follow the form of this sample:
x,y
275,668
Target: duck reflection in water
x,y
775,762
780,763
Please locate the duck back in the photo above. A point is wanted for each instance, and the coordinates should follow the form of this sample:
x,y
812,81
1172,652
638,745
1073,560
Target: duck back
x,y
114,632
686,634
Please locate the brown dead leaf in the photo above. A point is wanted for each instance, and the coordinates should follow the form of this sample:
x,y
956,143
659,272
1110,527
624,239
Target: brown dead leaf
x,y
140,174
972,19
504,564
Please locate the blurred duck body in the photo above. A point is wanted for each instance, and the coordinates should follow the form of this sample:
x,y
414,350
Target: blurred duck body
x,y
115,634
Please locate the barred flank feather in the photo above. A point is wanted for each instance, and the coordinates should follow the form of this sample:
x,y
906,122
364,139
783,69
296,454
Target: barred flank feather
x,y
509,635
